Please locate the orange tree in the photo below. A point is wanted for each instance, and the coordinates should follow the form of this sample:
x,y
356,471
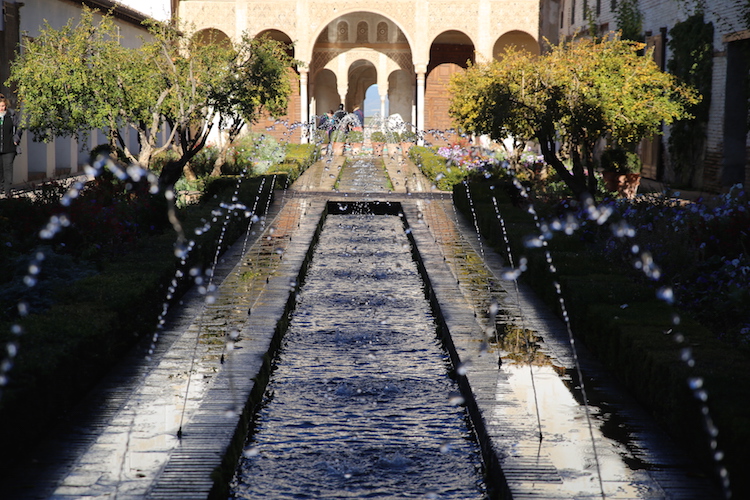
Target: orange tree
x,y
568,99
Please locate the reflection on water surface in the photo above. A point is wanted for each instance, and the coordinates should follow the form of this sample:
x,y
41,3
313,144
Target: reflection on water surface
x,y
359,405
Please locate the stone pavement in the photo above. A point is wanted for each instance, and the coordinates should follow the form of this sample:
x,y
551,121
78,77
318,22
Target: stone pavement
x,y
124,443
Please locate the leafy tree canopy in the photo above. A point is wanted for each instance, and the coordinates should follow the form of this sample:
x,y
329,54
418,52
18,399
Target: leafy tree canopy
x,y
80,78
579,92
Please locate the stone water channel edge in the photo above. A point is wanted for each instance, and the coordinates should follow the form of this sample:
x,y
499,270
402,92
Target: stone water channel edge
x,y
160,466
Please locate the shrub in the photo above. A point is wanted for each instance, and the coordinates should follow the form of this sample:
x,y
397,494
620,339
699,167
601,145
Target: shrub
x,y
338,136
298,158
435,167
355,136
377,136
408,136
620,161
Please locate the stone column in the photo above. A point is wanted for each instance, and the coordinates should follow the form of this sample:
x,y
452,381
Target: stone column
x,y
420,101
303,105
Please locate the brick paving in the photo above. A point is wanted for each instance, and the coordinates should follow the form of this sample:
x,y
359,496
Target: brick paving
x,y
123,443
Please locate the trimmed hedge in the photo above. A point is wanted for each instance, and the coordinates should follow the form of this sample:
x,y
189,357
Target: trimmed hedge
x,y
615,313
299,157
434,167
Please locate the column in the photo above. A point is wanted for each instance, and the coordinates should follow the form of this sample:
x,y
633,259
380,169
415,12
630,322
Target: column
x,y
51,158
420,103
303,106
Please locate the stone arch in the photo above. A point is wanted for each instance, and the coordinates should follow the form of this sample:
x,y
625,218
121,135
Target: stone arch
x,y
437,99
279,36
519,39
451,47
401,94
450,52
396,32
324,93
361,74
361,61
266,123
209,36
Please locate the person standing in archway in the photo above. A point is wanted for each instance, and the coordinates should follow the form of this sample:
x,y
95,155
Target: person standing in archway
x,y
360,117
338,116
10,138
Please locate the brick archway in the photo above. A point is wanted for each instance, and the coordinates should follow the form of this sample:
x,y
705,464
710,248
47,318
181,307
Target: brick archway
x,y
437,100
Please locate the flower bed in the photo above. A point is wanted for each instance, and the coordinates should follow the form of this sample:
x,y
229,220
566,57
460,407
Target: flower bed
x,y
446,166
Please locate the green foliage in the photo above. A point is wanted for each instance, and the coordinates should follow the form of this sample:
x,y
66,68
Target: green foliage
x,y
258,152
66,78
377,136
298,158
355,136
392,137
338,136
436,168
576,94
259,79
321,136
691,45
408,136
202,164
80,78
629,20
621,161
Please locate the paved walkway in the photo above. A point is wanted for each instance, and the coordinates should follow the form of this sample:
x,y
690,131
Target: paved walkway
x,y
123,444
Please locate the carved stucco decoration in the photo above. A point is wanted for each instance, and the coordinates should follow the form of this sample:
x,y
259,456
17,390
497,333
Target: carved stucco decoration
x,y
273,15
392,60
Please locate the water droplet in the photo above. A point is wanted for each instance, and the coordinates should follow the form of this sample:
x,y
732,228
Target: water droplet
x,y
533,242
666,294
12,349
456,399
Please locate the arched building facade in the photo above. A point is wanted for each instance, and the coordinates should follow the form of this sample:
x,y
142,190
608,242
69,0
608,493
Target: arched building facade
x,y
409,49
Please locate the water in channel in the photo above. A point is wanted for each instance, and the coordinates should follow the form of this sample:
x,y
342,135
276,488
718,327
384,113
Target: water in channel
x,y
361,404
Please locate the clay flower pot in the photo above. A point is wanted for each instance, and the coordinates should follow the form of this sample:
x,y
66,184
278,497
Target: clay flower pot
x,y
626,185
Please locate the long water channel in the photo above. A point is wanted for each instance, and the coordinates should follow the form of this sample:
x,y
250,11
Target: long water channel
x,y
361,404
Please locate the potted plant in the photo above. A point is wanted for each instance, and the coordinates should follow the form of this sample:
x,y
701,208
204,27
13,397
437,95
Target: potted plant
x,y
621,170
408,138
355,138
338,139
378,142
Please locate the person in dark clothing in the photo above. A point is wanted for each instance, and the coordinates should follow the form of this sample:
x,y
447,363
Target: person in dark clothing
x,y
10,138
360,116
339,115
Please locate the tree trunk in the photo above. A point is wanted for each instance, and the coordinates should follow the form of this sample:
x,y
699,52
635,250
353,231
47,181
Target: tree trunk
x,y
578,186
171,172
